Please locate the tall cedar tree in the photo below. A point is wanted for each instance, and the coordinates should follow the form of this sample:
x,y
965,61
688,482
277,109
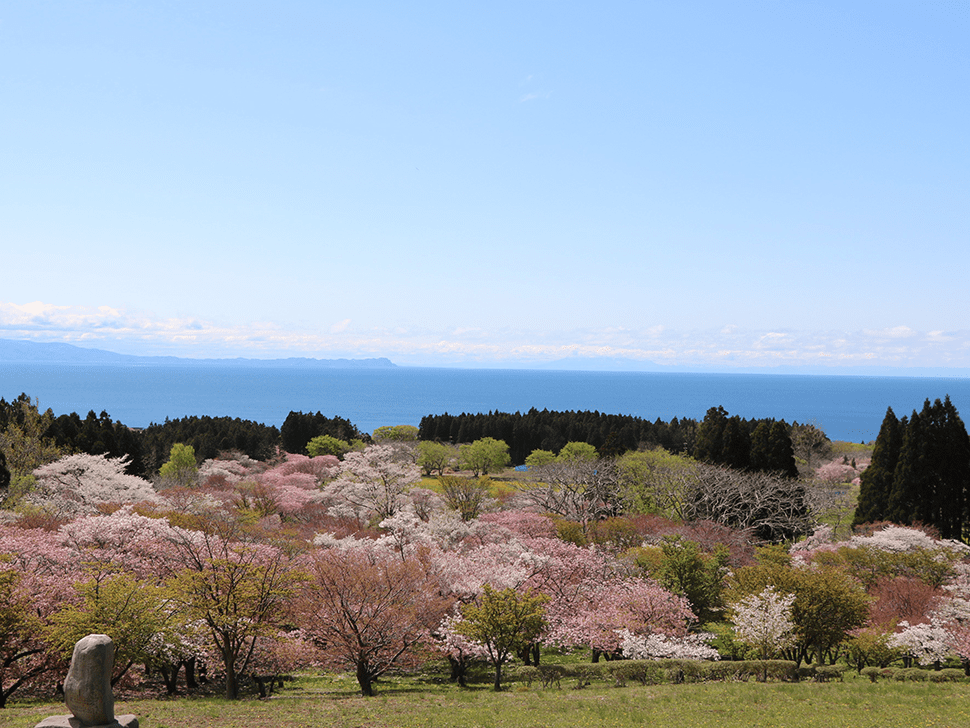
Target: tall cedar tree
x,y
932,474
877,479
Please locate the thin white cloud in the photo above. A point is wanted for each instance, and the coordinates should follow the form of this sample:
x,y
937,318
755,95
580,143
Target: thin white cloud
x,y
115,329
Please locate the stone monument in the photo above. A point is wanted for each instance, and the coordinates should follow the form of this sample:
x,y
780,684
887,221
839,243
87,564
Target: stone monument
x,y
87,689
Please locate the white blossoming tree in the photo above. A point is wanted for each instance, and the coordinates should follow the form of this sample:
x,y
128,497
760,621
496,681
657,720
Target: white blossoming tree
x,y
76,484
928,643
764,621
371,484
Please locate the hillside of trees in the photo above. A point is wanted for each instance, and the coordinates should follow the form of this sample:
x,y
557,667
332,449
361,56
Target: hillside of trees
x,y
234,553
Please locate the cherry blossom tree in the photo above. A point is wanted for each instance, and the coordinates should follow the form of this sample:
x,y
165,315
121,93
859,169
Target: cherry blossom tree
x,y
24,655
836,471
371,484
597,617
76,484
368,611
764,621
928,642
238,588
665,647
902,598
521,523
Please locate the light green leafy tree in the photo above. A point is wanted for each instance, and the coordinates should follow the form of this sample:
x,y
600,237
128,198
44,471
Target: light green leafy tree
x,y
504,623
538,458
572,451
139,616
181,468
484,456
434,456
395,433
328,445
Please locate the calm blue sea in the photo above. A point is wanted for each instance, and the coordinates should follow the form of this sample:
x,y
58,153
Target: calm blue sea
x,y
845,407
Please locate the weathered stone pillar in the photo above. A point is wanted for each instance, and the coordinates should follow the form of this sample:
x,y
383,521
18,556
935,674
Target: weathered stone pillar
x,y
87,689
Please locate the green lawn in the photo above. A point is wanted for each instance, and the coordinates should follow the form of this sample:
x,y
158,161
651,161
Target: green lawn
x,y
403,703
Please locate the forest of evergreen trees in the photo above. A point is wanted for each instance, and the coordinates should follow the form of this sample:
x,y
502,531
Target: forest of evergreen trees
x,y
920,472
757,445
760,445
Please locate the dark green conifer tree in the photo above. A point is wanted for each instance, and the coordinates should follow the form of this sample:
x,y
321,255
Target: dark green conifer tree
x,y
906,491
735,445
771,449
710,435
932,475
877,479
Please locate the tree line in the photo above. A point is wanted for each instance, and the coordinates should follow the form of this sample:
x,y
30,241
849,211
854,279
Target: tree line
x,y
760,445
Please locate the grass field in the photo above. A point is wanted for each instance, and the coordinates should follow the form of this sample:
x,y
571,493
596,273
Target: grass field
x,y
333,702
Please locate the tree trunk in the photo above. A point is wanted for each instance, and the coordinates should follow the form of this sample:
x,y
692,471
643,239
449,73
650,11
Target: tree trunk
x,y
190,681
170,675
232,684
458,668
365,681
498,676
260,686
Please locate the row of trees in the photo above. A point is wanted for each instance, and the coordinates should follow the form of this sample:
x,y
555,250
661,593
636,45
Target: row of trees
x,y
763,445
757,445
30,437
610,434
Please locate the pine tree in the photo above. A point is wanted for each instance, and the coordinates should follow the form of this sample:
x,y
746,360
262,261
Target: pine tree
x,y
771,449
932,474
877,479
736,445
948,454
907,490
710,435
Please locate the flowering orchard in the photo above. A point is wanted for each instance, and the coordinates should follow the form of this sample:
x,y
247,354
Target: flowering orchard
x,y
253,569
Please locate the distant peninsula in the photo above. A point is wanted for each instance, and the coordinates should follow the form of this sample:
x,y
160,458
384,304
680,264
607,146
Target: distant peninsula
x,y
33,352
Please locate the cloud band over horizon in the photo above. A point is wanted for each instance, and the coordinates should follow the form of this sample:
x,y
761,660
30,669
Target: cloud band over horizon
x,y
728,347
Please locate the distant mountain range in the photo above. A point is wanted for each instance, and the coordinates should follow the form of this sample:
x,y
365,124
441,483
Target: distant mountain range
x,y
32,352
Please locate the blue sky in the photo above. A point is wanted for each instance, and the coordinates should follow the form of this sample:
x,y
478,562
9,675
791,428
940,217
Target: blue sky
x,y
703,184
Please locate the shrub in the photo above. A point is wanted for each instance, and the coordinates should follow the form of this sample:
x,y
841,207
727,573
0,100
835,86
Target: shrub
x,y
726,670
584,673
549,674
784,670
526,674
825,673
873,673
645,672
917,674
